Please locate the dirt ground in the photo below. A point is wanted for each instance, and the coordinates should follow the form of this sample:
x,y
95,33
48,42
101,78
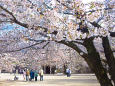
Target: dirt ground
x,y
51,80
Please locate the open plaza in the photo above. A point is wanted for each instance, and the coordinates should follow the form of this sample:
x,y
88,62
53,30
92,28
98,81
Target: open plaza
x,y
51,80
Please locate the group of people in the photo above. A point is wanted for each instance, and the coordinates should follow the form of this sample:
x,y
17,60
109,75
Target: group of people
x,y
68,72
32,74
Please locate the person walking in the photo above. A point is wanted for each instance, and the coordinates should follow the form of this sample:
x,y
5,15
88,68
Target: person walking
x,y
31,75
36,75
15,75
24,74
67,72
41,74
27,74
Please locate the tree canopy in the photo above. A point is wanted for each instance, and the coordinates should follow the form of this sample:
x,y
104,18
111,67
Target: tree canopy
x,y
74,23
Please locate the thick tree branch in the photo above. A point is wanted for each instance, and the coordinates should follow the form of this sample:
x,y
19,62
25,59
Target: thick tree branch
x,y
75,47
95,24
112,34
77,42
14,18
20,23
113,51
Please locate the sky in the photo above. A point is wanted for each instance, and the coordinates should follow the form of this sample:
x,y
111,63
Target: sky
x,y
9,27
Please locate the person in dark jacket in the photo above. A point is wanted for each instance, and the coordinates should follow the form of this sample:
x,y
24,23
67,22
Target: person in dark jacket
x,y
31,75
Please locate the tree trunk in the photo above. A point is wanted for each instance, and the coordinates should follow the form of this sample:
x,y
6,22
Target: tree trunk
x,y
93,60
110,57
95,64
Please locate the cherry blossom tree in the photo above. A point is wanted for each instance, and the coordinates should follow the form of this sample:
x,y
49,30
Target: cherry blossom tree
x,y
70,22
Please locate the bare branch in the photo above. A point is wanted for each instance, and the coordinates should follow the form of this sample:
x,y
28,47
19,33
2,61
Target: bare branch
x,y
64,5
46,45
68,13
36,48
23,48
97,10
8,12
36,40
20,23
1,21
99,19
3,15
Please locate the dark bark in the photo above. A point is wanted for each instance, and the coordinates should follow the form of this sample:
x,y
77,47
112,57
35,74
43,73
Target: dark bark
x,y
95,64
93,60
109,57
112,34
